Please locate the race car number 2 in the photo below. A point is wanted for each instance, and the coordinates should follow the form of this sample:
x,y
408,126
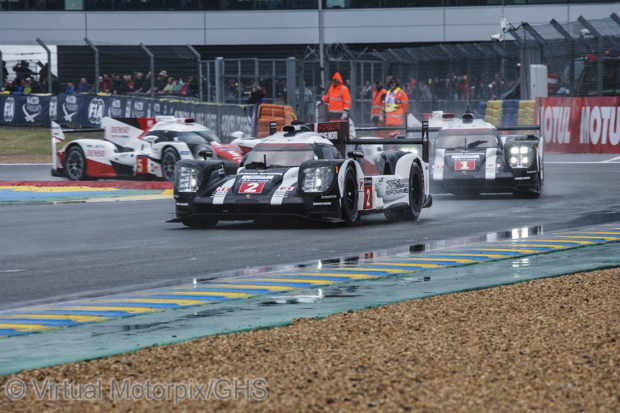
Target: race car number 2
x,y
251,187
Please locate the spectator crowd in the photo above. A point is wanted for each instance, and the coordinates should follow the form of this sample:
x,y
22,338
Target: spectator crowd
x,y
27,81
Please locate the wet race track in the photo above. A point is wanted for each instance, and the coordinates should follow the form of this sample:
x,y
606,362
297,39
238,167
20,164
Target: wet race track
x,y
53,252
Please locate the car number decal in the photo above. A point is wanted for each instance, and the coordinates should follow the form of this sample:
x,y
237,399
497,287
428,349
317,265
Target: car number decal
x,y
464,165
142,164
251,187
368,197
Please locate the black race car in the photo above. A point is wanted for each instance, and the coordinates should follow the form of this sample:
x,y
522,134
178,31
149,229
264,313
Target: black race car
x,y
473,157
301,173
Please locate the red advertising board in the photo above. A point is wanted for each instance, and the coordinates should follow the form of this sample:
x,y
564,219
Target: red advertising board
x,y
580,125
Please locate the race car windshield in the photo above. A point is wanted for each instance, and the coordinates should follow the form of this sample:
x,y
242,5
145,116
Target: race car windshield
x,y
199,136
465,139
287,155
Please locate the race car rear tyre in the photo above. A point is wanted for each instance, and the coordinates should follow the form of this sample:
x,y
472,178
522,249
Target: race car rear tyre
x,y
416,198
168,161
350,212
200,223
416,193
75,164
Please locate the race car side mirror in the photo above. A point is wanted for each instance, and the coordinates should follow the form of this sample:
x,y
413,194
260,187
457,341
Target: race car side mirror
x,y
499,152
355,154
150,139
204,153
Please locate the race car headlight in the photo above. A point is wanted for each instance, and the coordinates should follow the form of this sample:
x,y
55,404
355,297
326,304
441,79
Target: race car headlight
x,y
520,157
317,178
188,179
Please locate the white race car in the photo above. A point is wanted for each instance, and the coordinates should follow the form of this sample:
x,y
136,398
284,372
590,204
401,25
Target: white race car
x,y
138,148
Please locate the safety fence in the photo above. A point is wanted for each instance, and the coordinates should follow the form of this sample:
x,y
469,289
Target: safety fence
x,y
87,110
581,58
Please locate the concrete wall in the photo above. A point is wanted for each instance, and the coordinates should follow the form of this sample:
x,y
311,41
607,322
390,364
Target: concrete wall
x,y
451,24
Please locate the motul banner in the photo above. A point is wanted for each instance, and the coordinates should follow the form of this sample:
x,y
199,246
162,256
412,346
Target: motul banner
x,y
580,125
87,110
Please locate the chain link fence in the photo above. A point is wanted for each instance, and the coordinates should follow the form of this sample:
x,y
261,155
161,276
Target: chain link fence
x,y
582,59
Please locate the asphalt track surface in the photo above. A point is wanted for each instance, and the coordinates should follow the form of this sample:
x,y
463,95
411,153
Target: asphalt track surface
x,y
52,252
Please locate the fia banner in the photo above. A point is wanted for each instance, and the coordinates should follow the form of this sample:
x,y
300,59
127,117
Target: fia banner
x,y
87,110
580,125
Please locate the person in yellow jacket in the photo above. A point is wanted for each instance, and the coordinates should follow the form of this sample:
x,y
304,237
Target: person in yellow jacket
x,y
395,107
377,116
338,100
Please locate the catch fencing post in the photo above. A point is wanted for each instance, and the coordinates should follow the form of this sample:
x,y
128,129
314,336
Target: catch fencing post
x,y
96,63
49,65
152,59
291,83
199,71
219,89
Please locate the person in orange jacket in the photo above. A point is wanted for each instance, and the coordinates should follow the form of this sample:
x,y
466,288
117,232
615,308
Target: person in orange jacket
x,y
338,100
395,107
378,116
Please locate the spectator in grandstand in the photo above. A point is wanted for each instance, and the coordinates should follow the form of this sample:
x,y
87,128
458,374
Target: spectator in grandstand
x,y
160,82
82,87
283,91
106,84
168,89
232,89
22,70
43,72
70,88
499,85
482,91
35,87
189,88
257,96
16,86
308,104
138,83
424,92
178,85
461,87
367,90
126,85
117,84
28,85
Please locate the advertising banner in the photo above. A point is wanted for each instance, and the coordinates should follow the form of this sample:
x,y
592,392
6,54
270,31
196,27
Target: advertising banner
x,y
580,125
87,110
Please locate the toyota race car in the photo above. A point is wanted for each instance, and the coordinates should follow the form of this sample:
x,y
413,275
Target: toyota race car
x,y
472,157
132,148
300,173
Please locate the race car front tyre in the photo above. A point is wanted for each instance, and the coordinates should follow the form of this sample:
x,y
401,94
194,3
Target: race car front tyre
x,y
168,161
200,223
350,212
75,164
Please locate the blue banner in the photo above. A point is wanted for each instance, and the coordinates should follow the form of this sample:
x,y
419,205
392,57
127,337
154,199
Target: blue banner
x,y
87,110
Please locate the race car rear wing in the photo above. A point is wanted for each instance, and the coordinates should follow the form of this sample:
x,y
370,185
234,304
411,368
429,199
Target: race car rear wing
x,y
338,133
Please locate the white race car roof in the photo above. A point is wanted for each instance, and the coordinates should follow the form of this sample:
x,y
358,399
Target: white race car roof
x,y
475,124
299,137
178,125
